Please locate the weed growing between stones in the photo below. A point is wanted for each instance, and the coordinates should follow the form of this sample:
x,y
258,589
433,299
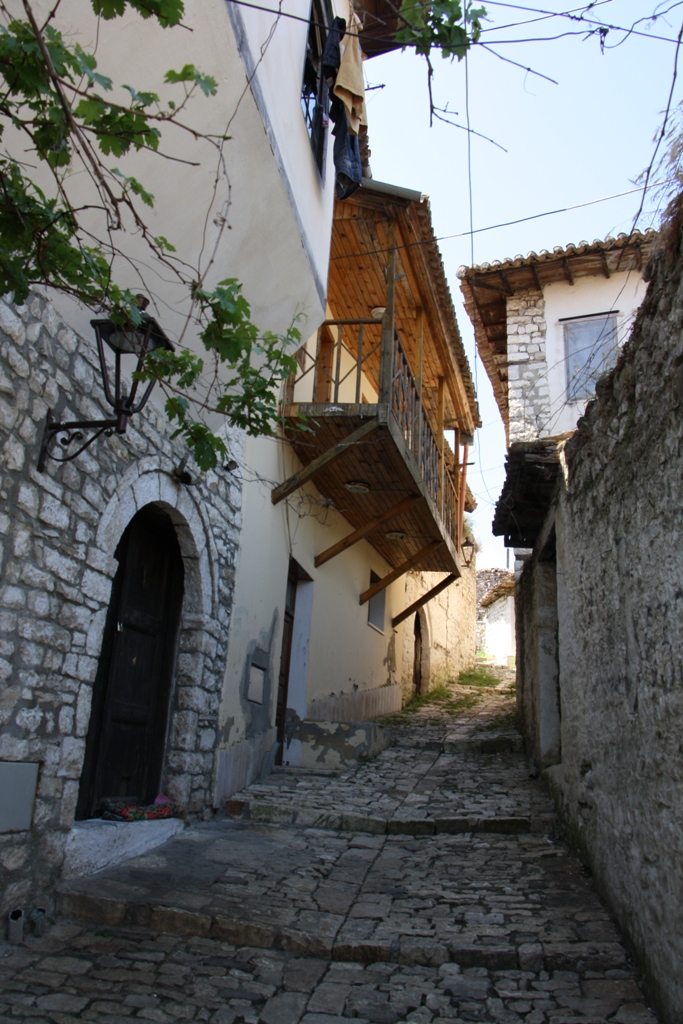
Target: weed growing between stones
x,y
478,677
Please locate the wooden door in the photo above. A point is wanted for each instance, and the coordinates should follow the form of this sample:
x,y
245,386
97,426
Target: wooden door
x,y
125,746
417,656
285,662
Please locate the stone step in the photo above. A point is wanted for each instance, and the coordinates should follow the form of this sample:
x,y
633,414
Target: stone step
x,y
112,975
401,824
326,940
456,741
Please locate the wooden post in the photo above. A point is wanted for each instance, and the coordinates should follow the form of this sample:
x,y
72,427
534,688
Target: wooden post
x,y
463,491
388,324
359,362
420,354
440,441
316,371
337,370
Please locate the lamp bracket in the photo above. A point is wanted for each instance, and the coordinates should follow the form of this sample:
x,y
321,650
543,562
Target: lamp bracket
x,y
60,436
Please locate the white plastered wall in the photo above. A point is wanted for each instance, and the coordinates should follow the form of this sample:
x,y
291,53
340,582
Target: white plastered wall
x,y
500,630
622,292
269,223
343,656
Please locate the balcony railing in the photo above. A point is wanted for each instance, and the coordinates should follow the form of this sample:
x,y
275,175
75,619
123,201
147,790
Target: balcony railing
x,y
346,369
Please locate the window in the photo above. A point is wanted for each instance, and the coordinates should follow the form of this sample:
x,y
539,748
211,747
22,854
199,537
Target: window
x,y
314,88
590,343
376,606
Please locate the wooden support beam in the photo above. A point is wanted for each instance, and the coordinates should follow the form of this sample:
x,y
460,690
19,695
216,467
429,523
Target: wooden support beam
x,y
603,260
397,573
441,440
509,290
388,322
416,605
534,272
304,475
568,273
363,531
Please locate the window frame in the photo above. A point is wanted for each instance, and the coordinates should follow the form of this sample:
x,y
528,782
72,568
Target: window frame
x,y
610,347
315,110
379,599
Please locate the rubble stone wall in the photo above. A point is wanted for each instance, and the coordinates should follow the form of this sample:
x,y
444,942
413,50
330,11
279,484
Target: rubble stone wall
x,y
528,394
59,531
619,534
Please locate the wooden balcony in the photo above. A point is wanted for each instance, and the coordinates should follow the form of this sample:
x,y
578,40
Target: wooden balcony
x,y
410,512
376,387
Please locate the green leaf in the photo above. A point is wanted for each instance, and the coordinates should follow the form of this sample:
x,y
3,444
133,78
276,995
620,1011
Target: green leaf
x,y
134,185
189,73
164,243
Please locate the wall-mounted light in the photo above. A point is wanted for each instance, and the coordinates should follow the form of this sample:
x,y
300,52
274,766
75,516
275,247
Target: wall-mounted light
x,y
357,487
467,547
136,341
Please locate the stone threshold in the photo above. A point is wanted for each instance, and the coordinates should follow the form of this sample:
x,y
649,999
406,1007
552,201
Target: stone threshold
x,y
405,950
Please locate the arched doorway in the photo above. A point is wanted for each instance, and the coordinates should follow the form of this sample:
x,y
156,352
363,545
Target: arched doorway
x,y
128,722
417,655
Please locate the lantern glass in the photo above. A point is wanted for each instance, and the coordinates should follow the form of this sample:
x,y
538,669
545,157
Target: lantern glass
x,y
130,340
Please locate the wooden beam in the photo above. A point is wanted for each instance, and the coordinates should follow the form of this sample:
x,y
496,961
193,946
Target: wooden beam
x,y
565,265
304,475
532,268
603,260
509,290
388,322
396,573
363,531
416,605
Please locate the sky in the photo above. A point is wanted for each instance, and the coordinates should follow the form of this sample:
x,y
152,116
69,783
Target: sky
x,y
585,138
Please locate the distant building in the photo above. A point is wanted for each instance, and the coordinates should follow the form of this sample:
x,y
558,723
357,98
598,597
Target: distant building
x,y
548,324
496,616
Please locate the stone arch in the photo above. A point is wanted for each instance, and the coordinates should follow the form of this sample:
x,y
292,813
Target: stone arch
x,y
198,674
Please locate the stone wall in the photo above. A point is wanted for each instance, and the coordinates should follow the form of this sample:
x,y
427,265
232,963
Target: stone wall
x,y
528,394
59,531
618,591
448,627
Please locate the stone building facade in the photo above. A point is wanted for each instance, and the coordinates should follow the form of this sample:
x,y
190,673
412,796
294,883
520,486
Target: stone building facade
x,y
601,657
59,534
527,366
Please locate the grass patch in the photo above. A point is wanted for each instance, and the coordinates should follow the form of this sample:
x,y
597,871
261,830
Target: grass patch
x,y
439,700
478,677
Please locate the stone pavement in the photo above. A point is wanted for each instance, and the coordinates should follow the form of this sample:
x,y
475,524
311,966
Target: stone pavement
x,y
424,886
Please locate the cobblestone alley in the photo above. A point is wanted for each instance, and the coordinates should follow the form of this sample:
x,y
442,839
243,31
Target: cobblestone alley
x,y
425,885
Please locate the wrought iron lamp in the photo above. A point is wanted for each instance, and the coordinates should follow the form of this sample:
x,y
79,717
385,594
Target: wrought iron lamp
x,y
467,547
135,341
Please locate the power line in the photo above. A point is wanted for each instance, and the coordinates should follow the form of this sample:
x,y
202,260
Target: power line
x,y
507,223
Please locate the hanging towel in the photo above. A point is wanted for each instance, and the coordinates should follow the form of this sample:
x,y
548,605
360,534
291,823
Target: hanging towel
x,y
350,85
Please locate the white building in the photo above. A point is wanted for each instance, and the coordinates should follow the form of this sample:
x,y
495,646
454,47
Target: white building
x,y
548,324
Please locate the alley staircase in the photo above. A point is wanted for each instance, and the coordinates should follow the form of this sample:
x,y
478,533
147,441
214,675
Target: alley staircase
x,y
425,885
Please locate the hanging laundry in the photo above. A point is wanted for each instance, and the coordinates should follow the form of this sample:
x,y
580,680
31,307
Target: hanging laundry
x,y
349,86
342,68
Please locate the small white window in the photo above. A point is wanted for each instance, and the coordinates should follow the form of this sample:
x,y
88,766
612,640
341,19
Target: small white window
x,y
376,606
590,346
257,679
